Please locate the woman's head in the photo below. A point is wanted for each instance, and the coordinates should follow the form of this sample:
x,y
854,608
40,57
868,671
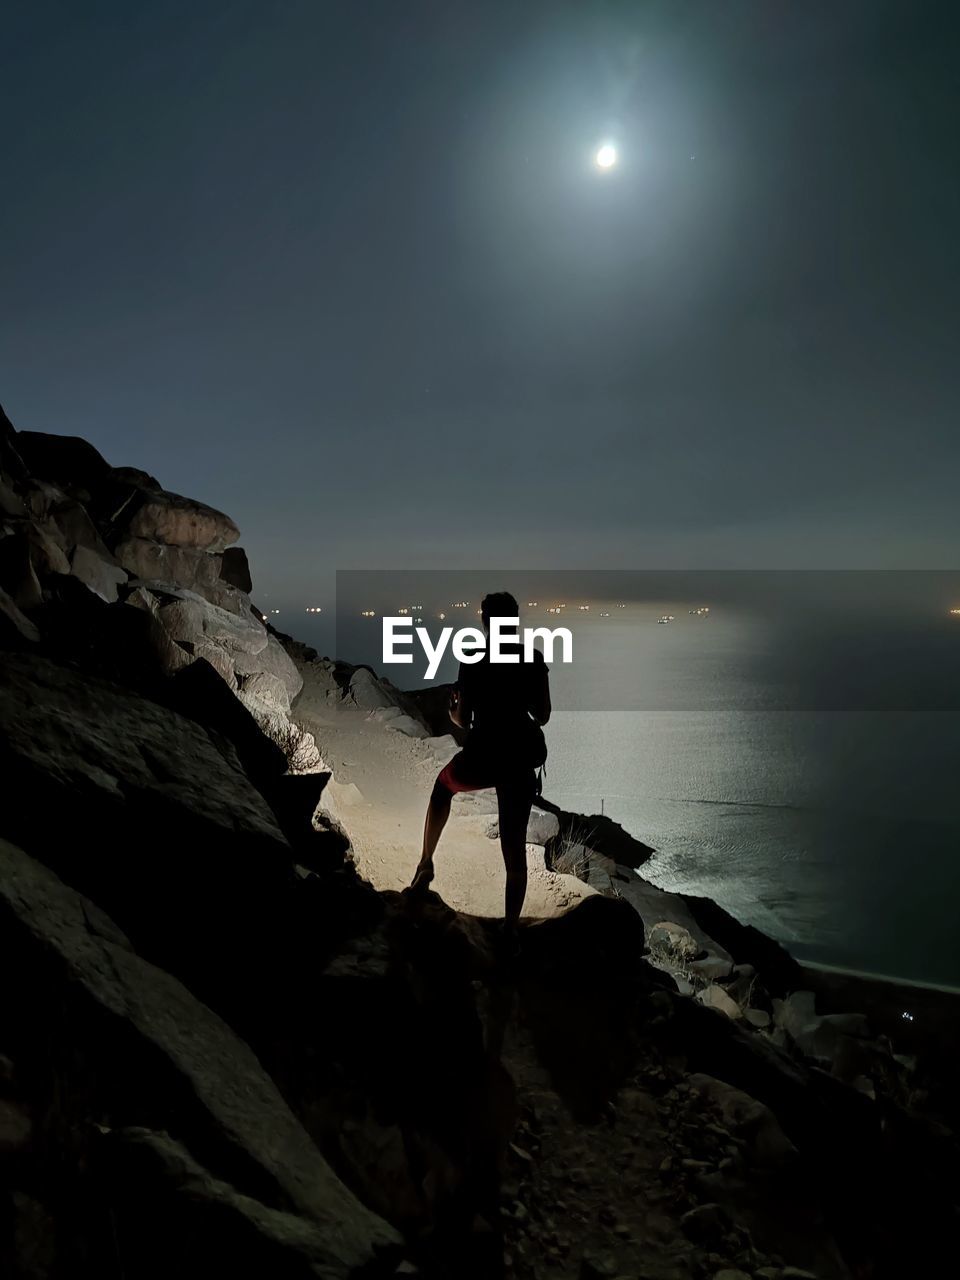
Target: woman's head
x,y
498,604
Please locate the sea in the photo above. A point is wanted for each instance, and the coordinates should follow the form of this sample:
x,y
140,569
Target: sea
x,y
801,771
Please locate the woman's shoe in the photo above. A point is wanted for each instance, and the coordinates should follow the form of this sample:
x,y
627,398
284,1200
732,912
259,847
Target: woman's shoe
x,y
422,878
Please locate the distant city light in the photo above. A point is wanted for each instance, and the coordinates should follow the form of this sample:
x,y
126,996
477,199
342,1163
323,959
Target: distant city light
x,y
955,612
367,613
315,609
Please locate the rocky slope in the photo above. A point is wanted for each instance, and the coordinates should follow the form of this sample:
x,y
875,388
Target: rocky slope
x,y
222,1050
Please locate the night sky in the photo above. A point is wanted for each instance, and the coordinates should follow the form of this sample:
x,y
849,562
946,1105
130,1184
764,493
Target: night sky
x,y
345,269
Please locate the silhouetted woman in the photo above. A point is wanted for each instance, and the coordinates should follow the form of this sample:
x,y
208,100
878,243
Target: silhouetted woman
x,y
501,706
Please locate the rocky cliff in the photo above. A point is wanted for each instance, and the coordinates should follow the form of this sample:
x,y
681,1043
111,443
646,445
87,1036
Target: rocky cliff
x,y
222,1051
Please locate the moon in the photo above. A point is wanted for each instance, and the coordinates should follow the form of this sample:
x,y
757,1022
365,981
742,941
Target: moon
x,y
606,156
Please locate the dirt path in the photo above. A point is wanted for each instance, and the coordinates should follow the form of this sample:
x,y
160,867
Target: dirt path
x,y
382,783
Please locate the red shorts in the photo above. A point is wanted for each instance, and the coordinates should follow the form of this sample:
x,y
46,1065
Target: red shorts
x,y
466,774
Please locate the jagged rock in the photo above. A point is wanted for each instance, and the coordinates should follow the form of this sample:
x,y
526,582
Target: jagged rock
x,y
11,504
597,878
745,943
219,659
235,570
654,905
705,1224
144,1027
179,522
141,598
299,748
673,939
15,620
402,723
272,660
163,1198
101,576
139,807
848,1024
134,476
190,618
18,577
711,968
304,754
758,1018
796,1012
714,997
157,561
338,798
367,691
837,1039
78,530
232,599
267,689
67,461
327,678
748,1120
444,748
45,550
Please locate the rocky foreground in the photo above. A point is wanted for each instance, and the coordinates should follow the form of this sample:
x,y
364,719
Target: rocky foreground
x,y
223,1051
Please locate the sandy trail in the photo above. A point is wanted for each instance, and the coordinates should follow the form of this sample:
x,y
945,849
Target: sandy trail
x,y
394,775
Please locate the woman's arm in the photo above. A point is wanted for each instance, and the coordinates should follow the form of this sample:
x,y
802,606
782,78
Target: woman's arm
x,y
460,709
539,706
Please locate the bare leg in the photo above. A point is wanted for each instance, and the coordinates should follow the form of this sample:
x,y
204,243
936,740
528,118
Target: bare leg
x,y
438,811
514,808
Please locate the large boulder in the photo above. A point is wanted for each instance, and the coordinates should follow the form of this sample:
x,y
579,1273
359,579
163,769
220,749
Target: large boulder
x,y
102,575
368,692
747,1119
673,940
67,461
161,1197
144,810
142,1047
178,521
77,529
46,548
146,559
272,660
188,617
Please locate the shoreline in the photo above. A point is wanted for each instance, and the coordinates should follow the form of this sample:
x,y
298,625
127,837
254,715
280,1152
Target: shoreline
x,y
864,975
